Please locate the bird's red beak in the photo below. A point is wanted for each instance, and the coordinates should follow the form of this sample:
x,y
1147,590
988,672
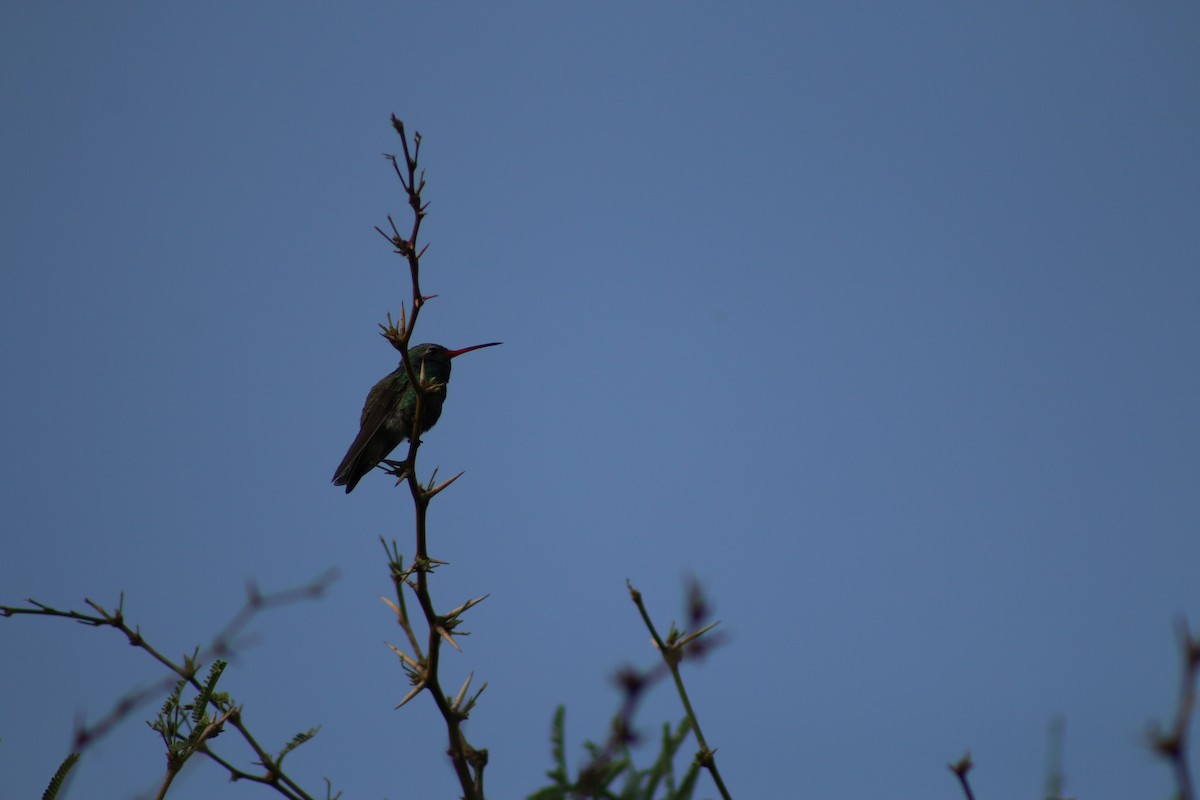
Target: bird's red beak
x,y
453,353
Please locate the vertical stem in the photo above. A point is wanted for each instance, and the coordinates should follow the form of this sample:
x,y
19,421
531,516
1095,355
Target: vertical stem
x,y
414,182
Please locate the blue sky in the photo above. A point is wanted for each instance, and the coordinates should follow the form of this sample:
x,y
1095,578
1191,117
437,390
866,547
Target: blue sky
x,y
879,319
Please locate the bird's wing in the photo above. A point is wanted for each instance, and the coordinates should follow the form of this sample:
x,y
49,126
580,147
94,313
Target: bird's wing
x,y
380,401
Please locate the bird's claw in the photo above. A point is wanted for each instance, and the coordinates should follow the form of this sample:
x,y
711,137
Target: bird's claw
x,y
399,469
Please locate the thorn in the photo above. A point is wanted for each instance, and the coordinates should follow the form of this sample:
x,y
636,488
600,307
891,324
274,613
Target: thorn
x,y
445,634
462,692
391,604
408,661
415,691
446,483
476,601
692,636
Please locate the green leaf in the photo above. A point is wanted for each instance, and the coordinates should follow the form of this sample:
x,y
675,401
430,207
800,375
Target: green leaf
x,y
297,740
549,793
558,750
60,775
210,684
689,783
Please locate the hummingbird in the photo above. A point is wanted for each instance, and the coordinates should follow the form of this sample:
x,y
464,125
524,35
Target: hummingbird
x,y
387,416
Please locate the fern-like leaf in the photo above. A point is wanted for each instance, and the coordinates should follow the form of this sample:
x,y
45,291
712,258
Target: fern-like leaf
x,y
60,775
297,740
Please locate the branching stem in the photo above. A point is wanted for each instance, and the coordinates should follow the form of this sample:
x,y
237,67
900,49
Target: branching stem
x,y
672,651
467,762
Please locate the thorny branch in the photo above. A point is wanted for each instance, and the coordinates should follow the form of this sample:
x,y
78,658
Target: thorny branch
x,y
611,762
224,644
422,666
673,649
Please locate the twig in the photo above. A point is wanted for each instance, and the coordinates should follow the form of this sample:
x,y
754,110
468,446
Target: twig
x,y
1172,743
223,644
960,769
1054,767
672,651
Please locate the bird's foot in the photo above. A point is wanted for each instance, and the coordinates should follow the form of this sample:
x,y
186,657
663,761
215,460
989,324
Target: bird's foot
x,y
398,469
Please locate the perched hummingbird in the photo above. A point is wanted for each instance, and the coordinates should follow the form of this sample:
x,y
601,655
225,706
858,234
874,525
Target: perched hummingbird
x,y
387,416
